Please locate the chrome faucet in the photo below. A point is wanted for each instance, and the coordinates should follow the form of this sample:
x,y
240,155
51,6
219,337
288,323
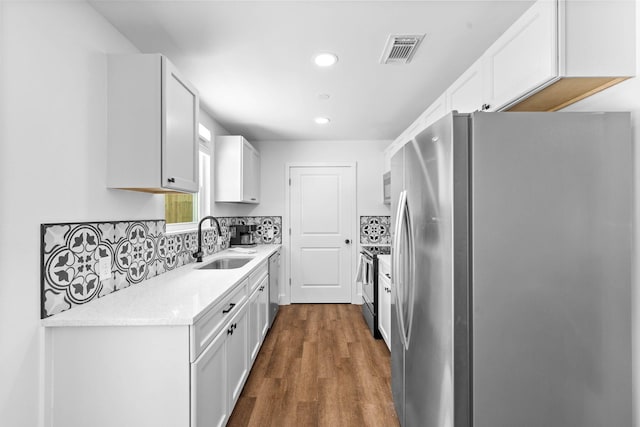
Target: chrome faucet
x,y
198,254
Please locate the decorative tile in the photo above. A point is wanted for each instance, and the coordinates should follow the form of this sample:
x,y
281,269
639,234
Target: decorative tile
x,y
71,255
375,230
137,251
268,228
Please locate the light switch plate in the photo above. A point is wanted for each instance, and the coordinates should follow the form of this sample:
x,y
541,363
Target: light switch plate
x,y
105,268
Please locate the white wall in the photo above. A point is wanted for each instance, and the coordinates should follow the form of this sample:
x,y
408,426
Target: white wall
x,y
274,155
216,128
52,168
626,97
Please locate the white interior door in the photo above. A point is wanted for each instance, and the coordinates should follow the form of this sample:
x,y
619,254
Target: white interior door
x,y
322,209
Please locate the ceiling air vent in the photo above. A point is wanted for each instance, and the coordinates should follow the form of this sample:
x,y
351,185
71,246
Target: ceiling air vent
x,y
400,48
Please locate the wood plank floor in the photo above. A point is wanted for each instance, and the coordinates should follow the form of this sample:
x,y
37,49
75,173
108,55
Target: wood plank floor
x,y
318,366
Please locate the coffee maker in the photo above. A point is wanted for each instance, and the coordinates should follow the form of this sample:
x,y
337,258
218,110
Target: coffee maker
x,y
242,235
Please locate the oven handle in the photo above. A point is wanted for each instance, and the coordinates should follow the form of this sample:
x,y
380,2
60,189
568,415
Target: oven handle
x,y
368,269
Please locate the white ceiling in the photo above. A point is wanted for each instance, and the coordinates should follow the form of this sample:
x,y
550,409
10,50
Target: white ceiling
x,y
252,60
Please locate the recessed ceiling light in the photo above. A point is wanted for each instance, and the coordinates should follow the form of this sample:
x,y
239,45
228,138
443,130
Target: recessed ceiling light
x,y
321,120
325,59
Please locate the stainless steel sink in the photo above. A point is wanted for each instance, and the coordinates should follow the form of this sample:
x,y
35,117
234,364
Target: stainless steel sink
x,y
225,263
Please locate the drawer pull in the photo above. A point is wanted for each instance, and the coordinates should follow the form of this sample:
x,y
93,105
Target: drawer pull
x,y
228,309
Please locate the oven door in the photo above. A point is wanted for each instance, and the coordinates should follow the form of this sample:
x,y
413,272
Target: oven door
x,y
367,281
369,295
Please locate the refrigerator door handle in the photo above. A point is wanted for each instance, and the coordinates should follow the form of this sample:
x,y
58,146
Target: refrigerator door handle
x,y
400,282
409,264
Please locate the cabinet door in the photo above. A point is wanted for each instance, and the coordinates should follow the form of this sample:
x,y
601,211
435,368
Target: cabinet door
x,y
237,354
254,323
209,395
384,307
435,111
263,308
466,94
179,133
250,174
524,58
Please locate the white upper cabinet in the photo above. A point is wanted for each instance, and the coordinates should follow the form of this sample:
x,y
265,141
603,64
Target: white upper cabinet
x,y
435,111
557,53
180,156
523,58
560,52
237,170
250,173
466,95
152,126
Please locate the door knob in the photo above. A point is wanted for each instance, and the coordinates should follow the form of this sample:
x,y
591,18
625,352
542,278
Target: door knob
x,y
347,241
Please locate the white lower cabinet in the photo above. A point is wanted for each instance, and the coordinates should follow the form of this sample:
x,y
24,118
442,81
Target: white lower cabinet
x,y
161,375
237,350
384,308
258,316
219,373
254,332
209,406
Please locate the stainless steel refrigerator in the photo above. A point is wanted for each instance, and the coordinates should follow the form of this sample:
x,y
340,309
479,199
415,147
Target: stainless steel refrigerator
x,y
512,271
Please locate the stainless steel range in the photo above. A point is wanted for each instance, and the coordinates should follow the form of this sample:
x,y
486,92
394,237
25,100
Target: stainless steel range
x,y
370,285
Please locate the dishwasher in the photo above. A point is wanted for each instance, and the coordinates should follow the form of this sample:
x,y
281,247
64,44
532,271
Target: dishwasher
x,y
274,287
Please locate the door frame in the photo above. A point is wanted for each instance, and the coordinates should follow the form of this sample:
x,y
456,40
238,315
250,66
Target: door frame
x,y
285,298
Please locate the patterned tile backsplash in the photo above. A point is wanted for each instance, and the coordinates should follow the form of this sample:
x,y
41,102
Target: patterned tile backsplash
x,y
135,251
375,230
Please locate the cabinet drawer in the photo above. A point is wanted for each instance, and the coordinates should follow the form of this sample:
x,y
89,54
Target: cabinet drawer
x,y
205,329
258,274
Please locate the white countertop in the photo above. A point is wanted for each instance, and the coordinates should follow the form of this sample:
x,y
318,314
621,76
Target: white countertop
x,y
177,297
